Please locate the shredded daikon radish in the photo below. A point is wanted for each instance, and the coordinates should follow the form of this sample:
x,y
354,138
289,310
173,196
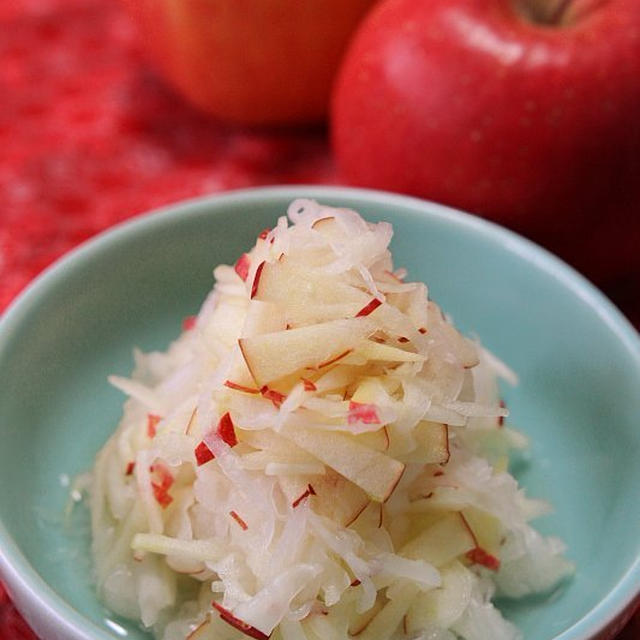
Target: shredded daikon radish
x,y
320,454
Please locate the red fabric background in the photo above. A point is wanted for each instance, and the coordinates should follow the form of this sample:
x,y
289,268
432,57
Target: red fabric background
x,y
89,136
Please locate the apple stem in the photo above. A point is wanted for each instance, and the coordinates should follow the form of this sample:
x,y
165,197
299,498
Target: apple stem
x,y
557,15
554,13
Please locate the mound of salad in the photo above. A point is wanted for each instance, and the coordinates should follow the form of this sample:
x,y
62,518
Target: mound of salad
x,y
320,455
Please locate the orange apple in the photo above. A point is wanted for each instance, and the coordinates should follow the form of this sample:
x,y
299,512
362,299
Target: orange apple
x,y
250,62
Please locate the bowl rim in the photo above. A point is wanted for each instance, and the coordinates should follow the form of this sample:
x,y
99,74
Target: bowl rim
x,y
37,600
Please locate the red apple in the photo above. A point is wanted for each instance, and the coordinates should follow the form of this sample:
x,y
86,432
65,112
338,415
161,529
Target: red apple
x,y
525,111
606,249
254,62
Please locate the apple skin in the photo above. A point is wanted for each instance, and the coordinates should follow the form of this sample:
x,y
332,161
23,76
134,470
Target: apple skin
x,y
469,103
607,249
249,62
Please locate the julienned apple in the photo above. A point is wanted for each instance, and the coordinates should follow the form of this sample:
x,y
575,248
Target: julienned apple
x,y
250,61
525,111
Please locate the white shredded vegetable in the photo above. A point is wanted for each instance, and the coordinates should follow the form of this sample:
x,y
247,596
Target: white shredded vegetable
x,y
319,455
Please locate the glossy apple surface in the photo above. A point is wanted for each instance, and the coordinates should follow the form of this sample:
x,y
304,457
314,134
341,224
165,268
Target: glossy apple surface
x,y
249,61
525,112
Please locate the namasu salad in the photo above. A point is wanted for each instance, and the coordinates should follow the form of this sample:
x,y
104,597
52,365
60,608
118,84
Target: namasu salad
x,y
320,455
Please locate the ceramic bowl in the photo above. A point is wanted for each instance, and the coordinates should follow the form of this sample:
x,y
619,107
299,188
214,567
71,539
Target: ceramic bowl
x,y
577,357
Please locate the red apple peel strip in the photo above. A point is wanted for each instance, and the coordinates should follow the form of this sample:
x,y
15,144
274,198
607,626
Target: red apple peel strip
x,y
333,360
226,430
363,412
161,495
308,492
309,385
189,322
152,422
276,397
369,308
256,279
245,628
242,266
243,525
239,387
482,557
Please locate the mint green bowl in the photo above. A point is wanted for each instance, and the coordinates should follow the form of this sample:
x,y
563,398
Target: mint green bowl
x,y
577,357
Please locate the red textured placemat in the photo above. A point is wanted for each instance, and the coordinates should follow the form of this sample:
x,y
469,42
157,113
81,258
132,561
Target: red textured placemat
x,y
89,137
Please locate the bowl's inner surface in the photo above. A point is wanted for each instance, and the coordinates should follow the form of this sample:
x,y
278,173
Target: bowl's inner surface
x,y
577,397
